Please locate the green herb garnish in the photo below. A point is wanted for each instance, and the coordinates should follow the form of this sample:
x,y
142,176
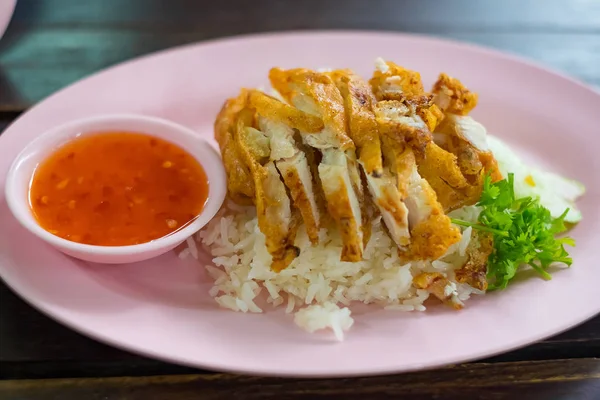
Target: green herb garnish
x,y
524,233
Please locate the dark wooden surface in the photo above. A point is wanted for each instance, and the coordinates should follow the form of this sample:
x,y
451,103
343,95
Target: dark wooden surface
x,y
52,43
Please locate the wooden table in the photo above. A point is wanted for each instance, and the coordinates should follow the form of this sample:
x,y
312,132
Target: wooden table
x,y
52,43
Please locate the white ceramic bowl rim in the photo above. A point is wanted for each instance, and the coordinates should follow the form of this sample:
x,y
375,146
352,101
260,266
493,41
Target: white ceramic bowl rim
x,y
212,165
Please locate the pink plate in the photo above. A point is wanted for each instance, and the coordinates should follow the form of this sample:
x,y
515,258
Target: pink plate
x,y
161,308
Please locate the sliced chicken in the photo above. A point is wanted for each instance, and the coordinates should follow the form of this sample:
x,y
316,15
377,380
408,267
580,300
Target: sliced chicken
x,y
460,134
406,139
277,120
440,168
364,132
388,200
432,232
316,94
338,149
466,140
363,129
240,186
276,219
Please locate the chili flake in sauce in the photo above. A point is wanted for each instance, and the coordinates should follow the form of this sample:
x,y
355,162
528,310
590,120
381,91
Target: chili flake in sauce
x,y
117,189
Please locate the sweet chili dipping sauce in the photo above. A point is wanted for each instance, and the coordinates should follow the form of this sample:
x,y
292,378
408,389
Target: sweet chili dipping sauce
x,y
117,189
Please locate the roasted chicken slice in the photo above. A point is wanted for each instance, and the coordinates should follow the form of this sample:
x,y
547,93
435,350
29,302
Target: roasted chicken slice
x,y
316,94
274,209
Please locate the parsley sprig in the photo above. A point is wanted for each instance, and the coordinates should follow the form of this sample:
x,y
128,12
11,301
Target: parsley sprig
x,y
524,233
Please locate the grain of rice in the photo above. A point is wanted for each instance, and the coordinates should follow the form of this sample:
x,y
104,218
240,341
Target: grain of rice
x,y
191,243
184,253
241,305
464,241
291,304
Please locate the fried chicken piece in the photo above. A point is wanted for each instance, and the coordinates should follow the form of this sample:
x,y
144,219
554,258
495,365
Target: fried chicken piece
x,y
388,197
440,168
401,123
474,271
342,202
393,82
438,285
406,138
432,232
451,96
467,139
457,166
316,94
380,180
274,210
363,129
240,186
277,120
364,132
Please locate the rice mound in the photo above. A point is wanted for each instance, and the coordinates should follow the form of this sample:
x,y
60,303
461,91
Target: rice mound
x,y
317,286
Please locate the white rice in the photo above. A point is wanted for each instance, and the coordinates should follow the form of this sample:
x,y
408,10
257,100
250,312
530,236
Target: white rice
x,y
317,287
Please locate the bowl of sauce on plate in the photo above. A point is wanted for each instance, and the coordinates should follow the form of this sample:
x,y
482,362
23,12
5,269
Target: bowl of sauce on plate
x,y
116,189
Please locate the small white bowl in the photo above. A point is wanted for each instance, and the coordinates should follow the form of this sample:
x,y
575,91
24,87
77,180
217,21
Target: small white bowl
x,y
22,169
